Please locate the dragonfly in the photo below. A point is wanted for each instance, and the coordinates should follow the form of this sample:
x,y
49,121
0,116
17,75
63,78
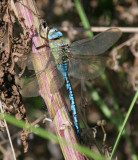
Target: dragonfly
x,y
82,60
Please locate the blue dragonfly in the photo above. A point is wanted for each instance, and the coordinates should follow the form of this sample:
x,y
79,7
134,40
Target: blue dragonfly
x,y
81,60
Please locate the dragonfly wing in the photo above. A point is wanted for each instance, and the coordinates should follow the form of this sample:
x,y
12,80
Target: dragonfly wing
x,y
31,59
97,45
31,88
87,68
25,65
57,81
45,59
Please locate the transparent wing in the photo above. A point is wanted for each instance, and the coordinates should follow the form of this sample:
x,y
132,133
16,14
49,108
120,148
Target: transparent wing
x,y
45,59
31,88
25,65
87,68
31,59
57,81
97,45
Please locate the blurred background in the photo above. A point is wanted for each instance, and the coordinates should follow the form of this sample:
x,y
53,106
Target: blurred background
x,y
106,98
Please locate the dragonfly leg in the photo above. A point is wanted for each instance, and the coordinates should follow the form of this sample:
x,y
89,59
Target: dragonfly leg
x,y
46,66
46,29
44,45
39,47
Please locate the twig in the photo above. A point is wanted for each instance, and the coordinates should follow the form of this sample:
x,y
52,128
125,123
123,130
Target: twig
x,y
56,104
102,29
8,133
18,133
38,120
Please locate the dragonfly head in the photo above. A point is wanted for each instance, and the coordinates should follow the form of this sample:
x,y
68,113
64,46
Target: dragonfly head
x,y
54,33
